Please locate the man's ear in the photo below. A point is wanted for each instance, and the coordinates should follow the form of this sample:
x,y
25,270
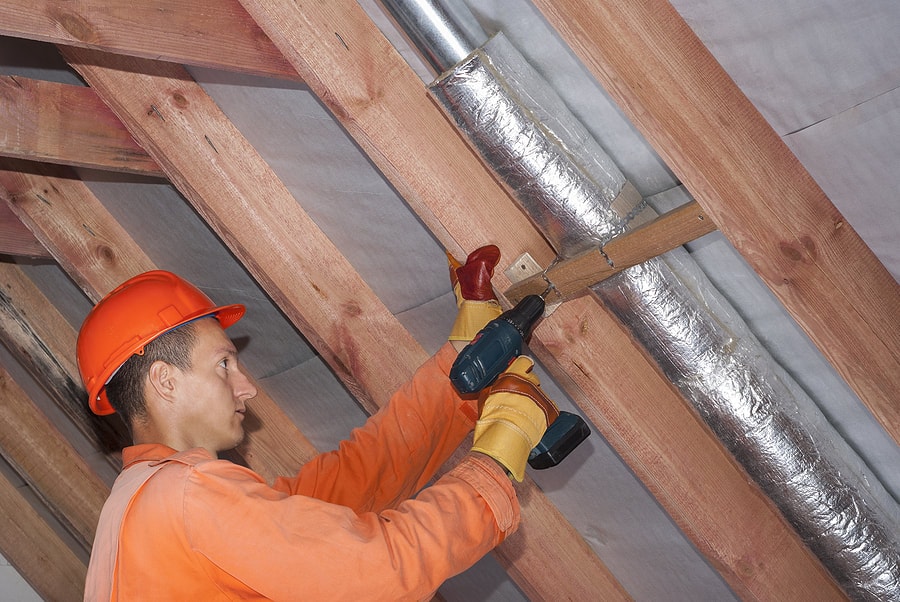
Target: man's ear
x,y
163,378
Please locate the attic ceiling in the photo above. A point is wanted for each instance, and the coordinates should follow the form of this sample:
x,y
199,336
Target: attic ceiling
x,y
324,202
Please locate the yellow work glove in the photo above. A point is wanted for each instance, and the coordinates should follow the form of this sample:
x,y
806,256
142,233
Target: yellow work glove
x,y
514,417
475,297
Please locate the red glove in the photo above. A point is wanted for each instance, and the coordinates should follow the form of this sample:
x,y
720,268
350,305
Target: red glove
x,y
475,297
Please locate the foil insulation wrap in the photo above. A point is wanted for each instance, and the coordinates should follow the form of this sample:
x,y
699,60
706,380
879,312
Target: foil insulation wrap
x,y
764,419
575,195
540,152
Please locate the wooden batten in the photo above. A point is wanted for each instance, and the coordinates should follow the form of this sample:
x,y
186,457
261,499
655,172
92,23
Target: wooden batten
x,y
39,554
67,124
216,34
16,240
573,276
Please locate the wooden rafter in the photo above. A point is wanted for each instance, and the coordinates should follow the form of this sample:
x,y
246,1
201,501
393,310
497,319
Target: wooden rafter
x,y
40,555
633,405
50,465
16,239
216,34
63,123
752,185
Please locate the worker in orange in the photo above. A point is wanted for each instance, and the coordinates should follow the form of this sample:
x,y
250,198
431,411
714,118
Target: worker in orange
x,y
181,524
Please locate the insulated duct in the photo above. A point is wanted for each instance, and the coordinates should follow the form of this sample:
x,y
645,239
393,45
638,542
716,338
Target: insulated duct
x,y
578,198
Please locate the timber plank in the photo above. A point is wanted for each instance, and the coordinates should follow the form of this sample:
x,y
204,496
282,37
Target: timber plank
x,y
207,33
38,553
384,106
76,225
251,210
68,124
44,343
48,463
752,185
16,240
573,276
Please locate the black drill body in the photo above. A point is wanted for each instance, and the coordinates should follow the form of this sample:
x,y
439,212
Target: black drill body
x,y
492,351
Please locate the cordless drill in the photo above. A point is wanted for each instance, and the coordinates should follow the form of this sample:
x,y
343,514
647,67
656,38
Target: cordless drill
x,y
492,351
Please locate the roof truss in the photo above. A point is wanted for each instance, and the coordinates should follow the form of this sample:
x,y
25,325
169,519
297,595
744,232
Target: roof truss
x,y
370,89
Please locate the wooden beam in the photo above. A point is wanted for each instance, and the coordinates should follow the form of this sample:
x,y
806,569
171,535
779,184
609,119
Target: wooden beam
x,y
37,552
754,188
16,240
99,254
369,88
206,33
63,123
48,353
573,276
45,460
247,205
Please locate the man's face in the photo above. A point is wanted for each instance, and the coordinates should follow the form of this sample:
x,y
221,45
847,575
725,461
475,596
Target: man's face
x,y
213,393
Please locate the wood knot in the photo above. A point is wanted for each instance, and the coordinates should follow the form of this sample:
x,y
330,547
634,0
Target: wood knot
x,y
180,101
804,250
106,255
352,309
76,25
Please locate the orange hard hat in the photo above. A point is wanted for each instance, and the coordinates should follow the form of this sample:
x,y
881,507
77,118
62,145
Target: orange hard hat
x,y
136,312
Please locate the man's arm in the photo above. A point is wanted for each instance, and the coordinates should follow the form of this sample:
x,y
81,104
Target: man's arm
x,y
399,448
289,547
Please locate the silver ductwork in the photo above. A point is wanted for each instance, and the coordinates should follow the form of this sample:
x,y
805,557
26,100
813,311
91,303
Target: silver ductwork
x,y
578,199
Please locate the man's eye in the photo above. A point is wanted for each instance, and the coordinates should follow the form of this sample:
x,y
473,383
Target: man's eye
x,y
224,363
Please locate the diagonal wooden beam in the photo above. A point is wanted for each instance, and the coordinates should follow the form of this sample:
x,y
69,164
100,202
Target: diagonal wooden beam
x,y
243,200
753,187
67,124
44,344
16,240
383,105
36,551
99,254
45,460
207,33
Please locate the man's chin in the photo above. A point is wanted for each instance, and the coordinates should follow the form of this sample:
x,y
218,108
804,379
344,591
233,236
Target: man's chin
x,y
236,442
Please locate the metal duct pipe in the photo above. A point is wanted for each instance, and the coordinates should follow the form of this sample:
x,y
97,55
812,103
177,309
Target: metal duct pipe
x,y
442,35
578,198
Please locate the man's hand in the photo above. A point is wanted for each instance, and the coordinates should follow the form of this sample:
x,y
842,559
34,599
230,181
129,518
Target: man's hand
x,y
475,297
515,414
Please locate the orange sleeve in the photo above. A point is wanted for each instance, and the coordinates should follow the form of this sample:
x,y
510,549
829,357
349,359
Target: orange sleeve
x,y
292,547
397,450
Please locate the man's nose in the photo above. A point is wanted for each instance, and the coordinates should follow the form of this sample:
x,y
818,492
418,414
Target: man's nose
x,y
244,389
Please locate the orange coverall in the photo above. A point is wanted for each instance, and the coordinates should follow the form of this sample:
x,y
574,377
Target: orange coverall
x,y
343,528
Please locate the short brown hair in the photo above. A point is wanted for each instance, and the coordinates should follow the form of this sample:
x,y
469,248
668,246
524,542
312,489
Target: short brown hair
x,y
125,389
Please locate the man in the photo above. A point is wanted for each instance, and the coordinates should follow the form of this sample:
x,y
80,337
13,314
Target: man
x,y
180,524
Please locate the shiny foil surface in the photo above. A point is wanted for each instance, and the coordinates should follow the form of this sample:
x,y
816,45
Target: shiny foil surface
x,y
543,155
568,186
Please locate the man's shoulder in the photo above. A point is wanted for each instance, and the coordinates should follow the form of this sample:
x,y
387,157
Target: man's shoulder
x,y
169,465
